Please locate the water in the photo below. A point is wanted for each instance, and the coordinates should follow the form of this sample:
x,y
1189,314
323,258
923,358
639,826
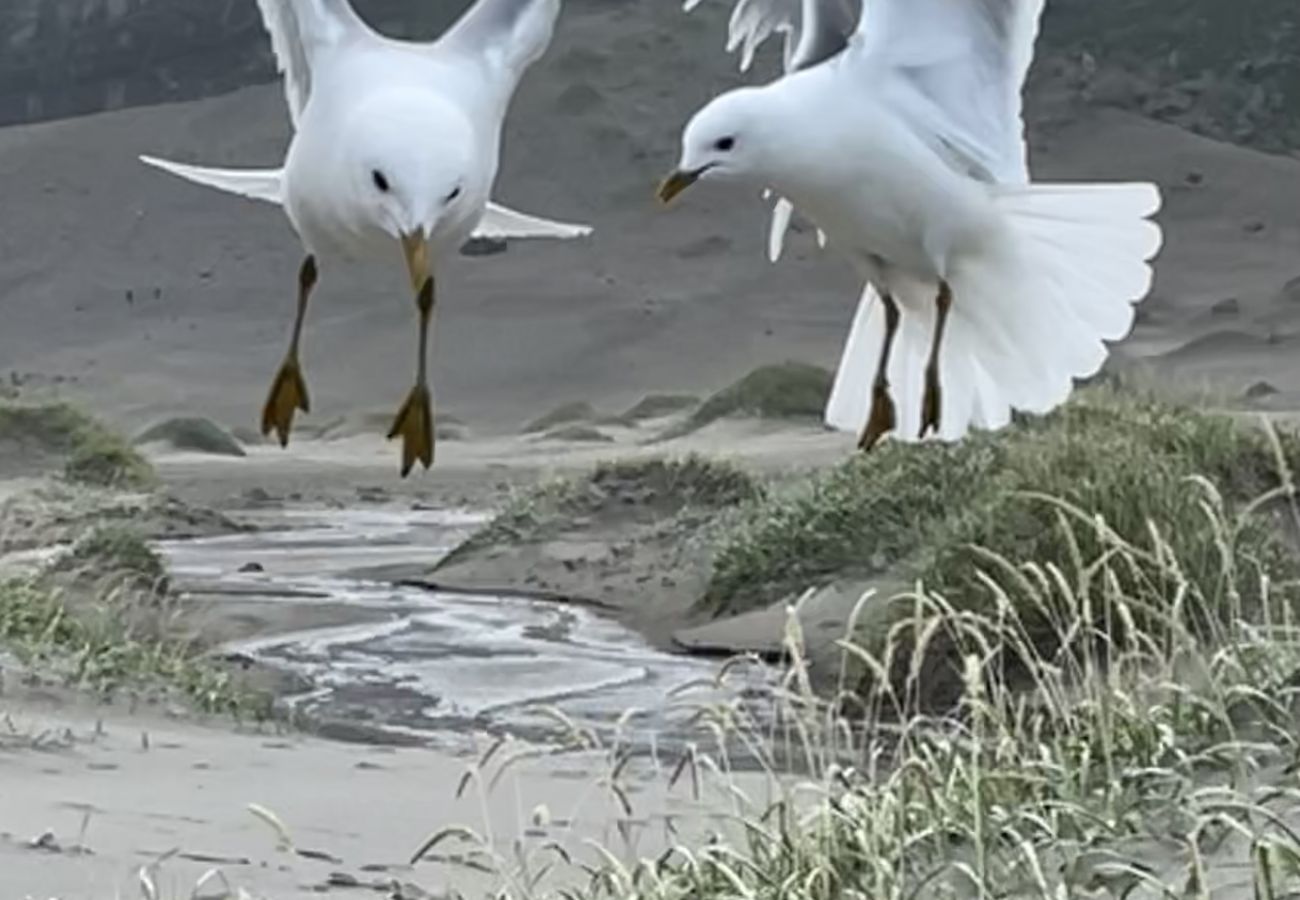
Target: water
x,y
426,664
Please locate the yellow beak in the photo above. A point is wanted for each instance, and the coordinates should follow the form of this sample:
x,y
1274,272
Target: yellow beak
x,y
416,248
675,183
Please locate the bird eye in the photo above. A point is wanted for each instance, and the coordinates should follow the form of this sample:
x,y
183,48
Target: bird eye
x,y
453,195
725,144
380,181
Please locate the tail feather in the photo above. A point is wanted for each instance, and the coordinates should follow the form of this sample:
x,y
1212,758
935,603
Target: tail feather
x,y
1029,318
257,184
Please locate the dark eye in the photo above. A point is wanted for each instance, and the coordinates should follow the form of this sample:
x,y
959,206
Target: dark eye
x,y
453,195
725,144
380,181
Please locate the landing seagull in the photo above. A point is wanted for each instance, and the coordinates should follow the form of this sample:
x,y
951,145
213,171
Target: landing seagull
x,y
396,143
897,130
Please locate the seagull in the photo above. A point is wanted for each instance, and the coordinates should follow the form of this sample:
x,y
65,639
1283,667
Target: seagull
x,y
396,145
897,129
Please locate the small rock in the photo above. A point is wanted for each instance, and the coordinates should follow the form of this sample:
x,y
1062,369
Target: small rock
x,y
1254,227
248,568
1195,178
1228,307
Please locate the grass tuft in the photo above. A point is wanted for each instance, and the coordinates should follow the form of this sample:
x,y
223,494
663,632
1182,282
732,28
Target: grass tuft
x,y
656,487
657,406
790,390
91,453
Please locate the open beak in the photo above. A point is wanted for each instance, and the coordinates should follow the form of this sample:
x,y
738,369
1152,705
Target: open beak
x,y
416,248
677,182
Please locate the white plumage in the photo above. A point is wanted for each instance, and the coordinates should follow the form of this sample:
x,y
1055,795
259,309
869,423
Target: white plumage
x,y
476,65
396,147
907,149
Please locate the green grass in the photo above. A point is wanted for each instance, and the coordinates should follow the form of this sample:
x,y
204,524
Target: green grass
x,y
790,390
916,511
195,434
92,454
116,552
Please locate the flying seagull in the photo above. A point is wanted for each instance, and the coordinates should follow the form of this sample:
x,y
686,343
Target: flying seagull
x,y
396,144
897,130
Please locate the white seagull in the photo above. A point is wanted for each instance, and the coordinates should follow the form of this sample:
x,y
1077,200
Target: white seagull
x,y
897,130
396,143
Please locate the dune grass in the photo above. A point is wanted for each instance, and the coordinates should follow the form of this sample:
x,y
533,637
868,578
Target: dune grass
x,y
655,486
789,390
101,617
916,512
1137,757
657,406
91,453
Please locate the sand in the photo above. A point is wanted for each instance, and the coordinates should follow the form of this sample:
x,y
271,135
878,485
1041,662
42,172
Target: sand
x,y
92,796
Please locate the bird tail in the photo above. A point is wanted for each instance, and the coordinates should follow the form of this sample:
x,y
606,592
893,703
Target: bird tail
x,y
1030,315
257,184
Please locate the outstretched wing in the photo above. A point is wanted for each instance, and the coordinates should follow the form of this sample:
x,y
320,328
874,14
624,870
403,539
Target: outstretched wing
x,y
300,30
955,70
814,30
511,34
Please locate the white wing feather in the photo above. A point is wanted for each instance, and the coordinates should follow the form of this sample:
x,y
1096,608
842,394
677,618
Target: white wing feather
x,y
256,184
500,222
299,30
955,69
512,34
265,185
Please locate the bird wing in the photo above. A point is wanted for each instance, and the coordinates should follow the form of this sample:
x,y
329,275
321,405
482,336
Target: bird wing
x,y
954,70
500,222
814,30
300,30
510,34
256,184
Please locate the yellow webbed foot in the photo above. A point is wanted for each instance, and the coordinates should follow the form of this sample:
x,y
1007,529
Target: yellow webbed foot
x,y
414,424
288,396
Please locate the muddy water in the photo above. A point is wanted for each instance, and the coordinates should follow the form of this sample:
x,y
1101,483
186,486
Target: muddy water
x,y
428,665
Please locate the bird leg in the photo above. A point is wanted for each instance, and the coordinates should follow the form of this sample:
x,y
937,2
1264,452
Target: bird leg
x,y
414,422
882,418
932,403
289,390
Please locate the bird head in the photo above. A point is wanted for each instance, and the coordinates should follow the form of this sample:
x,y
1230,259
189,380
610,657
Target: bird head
x,y
410,164
722,141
